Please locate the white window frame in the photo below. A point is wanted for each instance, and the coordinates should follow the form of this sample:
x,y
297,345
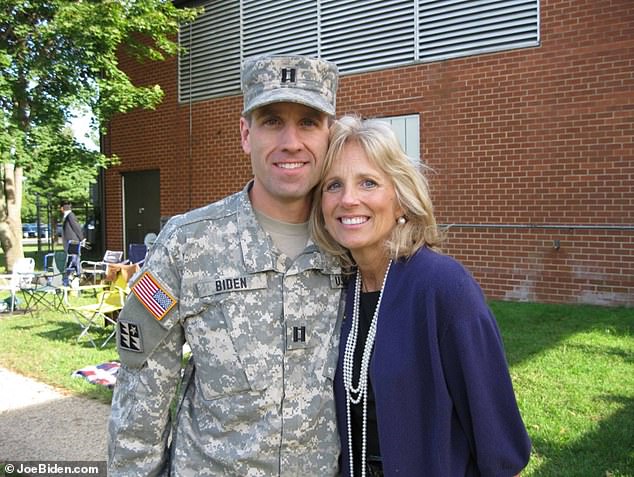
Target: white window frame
x,y
407,130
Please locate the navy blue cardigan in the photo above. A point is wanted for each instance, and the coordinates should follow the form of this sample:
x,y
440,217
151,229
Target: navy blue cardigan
x,y
444,399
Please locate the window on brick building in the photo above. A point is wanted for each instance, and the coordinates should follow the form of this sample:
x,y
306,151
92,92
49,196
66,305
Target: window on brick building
x,y
407,129
358,35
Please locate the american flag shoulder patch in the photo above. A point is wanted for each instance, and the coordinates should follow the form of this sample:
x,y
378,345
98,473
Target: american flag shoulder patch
x,y
153,297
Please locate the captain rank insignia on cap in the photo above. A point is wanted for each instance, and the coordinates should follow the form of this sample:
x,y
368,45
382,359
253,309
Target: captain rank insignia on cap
x,y
267,79
153,297
288,75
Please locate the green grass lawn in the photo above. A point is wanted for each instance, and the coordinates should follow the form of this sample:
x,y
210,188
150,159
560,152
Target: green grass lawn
x,y
44,347
573,369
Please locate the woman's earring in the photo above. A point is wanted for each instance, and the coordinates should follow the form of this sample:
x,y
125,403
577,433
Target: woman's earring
x,y
401,220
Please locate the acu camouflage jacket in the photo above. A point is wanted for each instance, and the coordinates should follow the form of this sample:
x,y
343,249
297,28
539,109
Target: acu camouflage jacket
x,y
257,397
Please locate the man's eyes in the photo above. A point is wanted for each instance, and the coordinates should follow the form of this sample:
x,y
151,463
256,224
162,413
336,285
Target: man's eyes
x,y
271,121
309,122
275,121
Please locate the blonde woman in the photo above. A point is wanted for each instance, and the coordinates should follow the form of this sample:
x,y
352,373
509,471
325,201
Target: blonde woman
x,y
422,386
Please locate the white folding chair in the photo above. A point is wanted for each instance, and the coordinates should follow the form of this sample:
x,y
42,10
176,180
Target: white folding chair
x,y
20,278
100,267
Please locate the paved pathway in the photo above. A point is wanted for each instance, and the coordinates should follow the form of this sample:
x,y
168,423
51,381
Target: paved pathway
x,y
39,423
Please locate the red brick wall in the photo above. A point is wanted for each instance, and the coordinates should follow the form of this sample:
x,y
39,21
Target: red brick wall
x,y
538,136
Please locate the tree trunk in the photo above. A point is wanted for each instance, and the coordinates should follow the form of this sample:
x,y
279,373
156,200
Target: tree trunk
x,y
10,214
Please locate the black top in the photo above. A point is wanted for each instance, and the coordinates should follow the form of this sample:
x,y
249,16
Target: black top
x,y
71,230
367,306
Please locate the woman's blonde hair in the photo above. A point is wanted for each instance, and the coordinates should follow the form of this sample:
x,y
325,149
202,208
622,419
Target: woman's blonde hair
x,y
384,151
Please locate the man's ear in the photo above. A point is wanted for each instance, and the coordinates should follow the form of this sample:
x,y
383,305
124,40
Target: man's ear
x,y
244,135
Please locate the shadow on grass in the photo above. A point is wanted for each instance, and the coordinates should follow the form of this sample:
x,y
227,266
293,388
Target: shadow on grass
x,y
65,332
604,350
61,327
530,328
606,452
69,332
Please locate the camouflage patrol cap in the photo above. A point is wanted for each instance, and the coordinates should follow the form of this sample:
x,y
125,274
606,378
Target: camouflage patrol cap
x,y
299,79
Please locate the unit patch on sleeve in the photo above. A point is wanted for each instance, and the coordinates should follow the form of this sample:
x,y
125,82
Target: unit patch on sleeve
x,y
153,297
130,337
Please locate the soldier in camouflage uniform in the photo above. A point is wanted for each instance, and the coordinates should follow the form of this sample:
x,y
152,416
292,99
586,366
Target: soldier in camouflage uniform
x,y
260,311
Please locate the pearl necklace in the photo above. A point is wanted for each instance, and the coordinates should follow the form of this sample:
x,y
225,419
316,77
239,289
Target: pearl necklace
x,y
355,394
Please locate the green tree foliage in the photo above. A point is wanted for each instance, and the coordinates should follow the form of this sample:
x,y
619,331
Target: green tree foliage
x,y
62,168
59,56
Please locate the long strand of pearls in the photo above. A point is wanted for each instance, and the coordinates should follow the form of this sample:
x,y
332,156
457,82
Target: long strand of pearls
x,y
354,394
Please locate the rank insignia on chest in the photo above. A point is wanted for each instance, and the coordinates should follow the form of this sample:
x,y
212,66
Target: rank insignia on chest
x,y
130,337
153,297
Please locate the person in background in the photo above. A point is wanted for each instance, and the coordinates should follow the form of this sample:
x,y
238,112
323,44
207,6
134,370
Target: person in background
x,y
257,303
72,241
422,384
71,230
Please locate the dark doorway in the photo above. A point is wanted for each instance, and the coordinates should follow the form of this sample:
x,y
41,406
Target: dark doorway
x,y
142,205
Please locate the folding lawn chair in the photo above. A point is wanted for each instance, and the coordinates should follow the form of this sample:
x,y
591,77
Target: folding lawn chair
x,y
137,253
49,289
103,311
64,263
99,268
55,263
20,279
